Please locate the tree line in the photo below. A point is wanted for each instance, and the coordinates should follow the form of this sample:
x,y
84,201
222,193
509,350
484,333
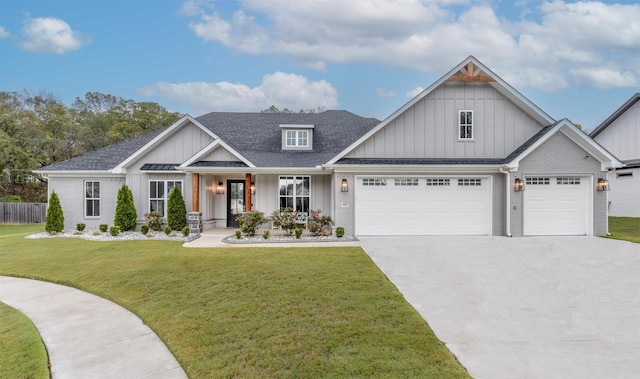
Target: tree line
x,y
37,130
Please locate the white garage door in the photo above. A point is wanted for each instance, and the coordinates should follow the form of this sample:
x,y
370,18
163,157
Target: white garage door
x,y
556,206
423,206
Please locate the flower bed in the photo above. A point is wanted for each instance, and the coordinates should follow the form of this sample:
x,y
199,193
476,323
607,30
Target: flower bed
x,y
124,236
281,238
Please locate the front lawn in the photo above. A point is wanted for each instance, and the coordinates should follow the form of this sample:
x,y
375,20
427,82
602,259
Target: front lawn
x,y
625,228
248,312
22,354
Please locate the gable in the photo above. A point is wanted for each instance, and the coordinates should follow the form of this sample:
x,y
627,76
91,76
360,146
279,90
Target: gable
x,y
429,128
220,154
621,134
175,148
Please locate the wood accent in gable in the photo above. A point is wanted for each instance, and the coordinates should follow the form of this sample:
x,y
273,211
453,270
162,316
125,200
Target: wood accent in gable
x,y
470,73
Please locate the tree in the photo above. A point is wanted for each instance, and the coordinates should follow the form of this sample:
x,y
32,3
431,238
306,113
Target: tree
x,y
176,210
126,215
274,109
55,218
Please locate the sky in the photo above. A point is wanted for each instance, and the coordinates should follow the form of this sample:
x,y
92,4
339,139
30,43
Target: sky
x,y
574,59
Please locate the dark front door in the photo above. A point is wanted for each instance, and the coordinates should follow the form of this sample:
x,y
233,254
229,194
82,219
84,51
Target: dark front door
x,y
235,201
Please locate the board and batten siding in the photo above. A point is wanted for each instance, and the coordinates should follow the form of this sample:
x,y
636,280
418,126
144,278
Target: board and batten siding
x,y
176,148
266,198
220,154
429,129
70,191
622,137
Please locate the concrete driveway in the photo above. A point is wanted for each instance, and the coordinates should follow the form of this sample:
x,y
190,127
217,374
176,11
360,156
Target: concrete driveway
x,y
547,307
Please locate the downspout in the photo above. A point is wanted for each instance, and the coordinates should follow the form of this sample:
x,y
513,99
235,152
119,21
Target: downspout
x,y
507,181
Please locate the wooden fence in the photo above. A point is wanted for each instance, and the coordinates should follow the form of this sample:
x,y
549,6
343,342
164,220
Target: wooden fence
x,y
23,213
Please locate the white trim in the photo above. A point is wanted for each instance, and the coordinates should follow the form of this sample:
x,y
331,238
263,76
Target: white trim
x,y
566,127
297,126
511,93
80,174
258,170
121,168
296,138
211,147
85,198
460,111
415,169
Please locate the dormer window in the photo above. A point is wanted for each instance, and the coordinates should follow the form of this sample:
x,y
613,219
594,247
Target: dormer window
x,y
297,137
465,127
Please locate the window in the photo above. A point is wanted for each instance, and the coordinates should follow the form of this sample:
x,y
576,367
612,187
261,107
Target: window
x,y
437,182
374,182
294,193
406,182
159,191
465,125
297,138
537,181
469,182
91,199
567,181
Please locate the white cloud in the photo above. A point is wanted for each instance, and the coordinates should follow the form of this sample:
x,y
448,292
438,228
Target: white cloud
x,y
384,93
413,93
4,33
50,35
550,47
280,89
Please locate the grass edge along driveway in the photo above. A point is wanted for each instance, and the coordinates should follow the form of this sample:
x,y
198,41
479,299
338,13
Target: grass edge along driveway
x,y
252,312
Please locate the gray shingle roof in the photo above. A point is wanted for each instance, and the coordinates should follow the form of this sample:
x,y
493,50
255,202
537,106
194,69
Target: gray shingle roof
x,y
103,159
623,108
258,136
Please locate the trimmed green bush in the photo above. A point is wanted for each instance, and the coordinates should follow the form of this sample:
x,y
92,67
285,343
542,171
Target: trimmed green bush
x,y
340,231
144,229
167,230
154,220
114,230
55,218
298,233
185,231
126,215
176,210
238,234
104,228
265,235
80,227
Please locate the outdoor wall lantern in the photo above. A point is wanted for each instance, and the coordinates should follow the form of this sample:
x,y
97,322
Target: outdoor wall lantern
x,y
518,185
344,187
253,188
220,188
603,184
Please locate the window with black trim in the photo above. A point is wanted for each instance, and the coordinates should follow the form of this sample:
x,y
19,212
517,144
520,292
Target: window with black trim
x,y
465,125
159,191
91,198
295,193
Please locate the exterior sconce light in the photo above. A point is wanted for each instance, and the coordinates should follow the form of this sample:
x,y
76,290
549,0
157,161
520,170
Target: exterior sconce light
x,y
603,184
344,187
220,188
253,188
518,185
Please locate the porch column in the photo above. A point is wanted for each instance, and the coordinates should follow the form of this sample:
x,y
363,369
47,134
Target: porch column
x,y
195,192
247,192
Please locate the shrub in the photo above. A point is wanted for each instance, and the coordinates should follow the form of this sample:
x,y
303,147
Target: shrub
x,y
80,227
319,225
55,218
144,229
154,220
298,233
340,231
176,210
186,231
238,234
285,219
250,221
167,230
114,230
104,228
126,215
265,235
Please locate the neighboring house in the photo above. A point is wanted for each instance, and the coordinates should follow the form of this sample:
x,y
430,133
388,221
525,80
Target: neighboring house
x,y
620,134
468,156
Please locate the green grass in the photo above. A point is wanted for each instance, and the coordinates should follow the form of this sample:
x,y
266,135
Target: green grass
x,y
625,228
248,312
22,354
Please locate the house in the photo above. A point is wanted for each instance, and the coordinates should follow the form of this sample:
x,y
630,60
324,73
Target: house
x,y
620,134
469,155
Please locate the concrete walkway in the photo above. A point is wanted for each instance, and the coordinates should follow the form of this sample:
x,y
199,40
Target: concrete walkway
x,y
547,307
87,336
